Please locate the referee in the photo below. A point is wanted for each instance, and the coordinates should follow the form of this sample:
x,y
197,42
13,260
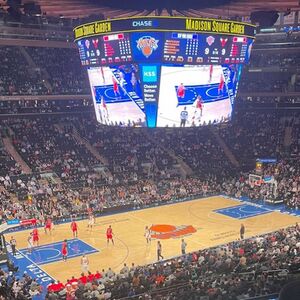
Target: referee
x,y
242,231
183,246
13,244
183,117
159,251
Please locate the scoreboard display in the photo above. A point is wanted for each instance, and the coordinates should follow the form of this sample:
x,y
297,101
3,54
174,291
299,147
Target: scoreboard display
x,y
200,41
173,47
116,49
106,49
139,62
191,48
182,48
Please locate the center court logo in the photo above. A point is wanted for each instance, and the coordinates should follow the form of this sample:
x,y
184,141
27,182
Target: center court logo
x,y
147,44
164,231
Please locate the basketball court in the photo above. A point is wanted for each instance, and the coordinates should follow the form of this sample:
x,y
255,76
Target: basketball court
x,y
202,223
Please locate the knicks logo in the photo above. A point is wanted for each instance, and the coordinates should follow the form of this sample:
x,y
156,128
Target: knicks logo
x,y
210,40
147,44
163,231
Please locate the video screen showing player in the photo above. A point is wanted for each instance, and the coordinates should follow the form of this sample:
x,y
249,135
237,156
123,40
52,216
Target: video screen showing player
x,y
117,95
195,95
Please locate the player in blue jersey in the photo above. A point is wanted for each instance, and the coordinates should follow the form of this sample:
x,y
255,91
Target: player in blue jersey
x,y
133,81
183,117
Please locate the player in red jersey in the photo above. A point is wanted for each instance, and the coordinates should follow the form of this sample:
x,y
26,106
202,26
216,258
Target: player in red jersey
x,y
115,87
102,74
64,250
35,237
198,109
74,228
48,225
181,91
221,84
199,104
211,71
109,235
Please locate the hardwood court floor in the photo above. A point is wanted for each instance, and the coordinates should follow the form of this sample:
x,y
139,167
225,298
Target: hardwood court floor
x,y
130,245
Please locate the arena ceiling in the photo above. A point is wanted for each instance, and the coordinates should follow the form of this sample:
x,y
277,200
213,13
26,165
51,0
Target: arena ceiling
x,y
126,8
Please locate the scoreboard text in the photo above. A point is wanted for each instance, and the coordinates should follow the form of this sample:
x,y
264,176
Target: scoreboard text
x,y
214,26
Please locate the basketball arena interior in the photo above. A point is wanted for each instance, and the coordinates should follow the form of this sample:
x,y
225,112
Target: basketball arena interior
x,y
150,149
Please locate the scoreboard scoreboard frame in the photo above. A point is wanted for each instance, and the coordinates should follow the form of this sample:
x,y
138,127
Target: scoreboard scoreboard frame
x,y
214,42
127,60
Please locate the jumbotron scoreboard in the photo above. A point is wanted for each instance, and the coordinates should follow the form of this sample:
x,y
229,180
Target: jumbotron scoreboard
x,y
135,63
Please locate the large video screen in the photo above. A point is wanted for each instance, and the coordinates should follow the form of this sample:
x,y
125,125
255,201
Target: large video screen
x,y
195,95
164,72
117,95
163,95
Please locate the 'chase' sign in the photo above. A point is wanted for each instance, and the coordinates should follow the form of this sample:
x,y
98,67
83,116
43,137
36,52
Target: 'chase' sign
x,y
145,23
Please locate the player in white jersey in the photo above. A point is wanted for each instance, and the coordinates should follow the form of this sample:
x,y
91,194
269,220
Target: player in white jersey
x,y
91,222
147,234
29,243
84,264
122,81
104,111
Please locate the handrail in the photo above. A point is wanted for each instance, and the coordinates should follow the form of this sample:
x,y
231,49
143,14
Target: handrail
x,y
158,291
264,297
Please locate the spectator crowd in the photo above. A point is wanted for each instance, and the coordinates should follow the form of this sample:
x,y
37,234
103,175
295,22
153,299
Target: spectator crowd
x,y
76,166
23,288
138,167
244,269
